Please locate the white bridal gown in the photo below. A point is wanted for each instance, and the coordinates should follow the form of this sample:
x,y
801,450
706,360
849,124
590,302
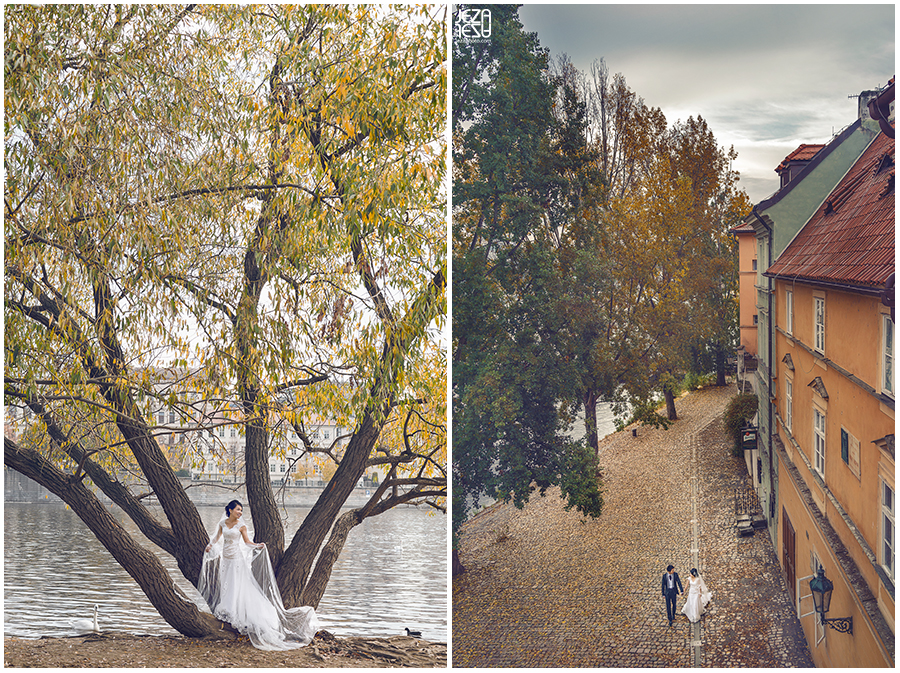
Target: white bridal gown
x,y
698,597
239,586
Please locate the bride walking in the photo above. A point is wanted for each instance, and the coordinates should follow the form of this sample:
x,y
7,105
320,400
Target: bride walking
x,y
698,595
238,583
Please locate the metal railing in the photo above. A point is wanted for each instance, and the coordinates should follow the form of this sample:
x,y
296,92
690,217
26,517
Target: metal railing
x,y
746,501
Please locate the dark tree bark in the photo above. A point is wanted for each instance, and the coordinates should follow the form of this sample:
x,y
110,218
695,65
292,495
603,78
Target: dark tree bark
x,y
458,568
590,420
720,365
298,557
670,404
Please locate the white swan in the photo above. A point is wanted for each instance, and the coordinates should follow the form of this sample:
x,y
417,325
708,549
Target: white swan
x,y
87,624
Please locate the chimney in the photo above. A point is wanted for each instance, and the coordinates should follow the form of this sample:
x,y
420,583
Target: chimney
x,y
864,98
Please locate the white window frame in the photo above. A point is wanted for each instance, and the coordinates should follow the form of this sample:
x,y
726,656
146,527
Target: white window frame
x,y
887,355
789,311
819,442
816,563
819,324
789,404
887,547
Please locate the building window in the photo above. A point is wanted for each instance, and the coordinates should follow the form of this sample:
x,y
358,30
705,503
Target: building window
x,y
753,265
271,467
756,319
233,431
887,362
283,469
819,440
789,312
887,529
162,418
789,404
222,431
171,416
819,321
850,451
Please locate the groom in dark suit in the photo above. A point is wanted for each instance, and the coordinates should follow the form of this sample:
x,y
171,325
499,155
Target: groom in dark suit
x,y
671,587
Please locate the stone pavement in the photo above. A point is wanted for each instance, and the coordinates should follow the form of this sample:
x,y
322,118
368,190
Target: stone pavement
x,y
550,588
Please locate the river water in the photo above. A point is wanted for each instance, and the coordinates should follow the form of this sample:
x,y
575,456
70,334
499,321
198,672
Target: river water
x,y
391,574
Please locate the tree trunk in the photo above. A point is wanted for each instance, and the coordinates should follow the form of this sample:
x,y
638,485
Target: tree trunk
x,y
458,568
318,581
187,526
267,526
590,420
670,404
141,564
181,513
720,365
298,557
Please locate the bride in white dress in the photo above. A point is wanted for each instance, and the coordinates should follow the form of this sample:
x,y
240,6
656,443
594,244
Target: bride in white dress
x,y
239,586
698,597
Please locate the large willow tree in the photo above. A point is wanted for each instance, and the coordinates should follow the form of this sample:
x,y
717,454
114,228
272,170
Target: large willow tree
x,y
252,196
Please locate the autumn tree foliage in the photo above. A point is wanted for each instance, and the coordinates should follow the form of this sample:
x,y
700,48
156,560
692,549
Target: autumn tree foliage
x,y
253,195
669,196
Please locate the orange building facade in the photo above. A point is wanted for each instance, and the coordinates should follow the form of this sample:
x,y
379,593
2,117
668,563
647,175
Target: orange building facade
x,y
832,392
836,468
817,325
747,270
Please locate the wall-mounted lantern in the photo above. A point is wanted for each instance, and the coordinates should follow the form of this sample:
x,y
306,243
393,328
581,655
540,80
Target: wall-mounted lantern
x,y
821,588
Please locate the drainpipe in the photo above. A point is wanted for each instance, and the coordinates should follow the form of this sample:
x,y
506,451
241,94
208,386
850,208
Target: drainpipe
x,y
880,110
770,363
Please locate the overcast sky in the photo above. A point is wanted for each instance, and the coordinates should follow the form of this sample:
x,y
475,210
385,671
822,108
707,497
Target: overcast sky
x,y
766,78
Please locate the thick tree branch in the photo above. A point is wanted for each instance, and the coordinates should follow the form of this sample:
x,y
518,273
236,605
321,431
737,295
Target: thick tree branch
x,y
143,565
115,490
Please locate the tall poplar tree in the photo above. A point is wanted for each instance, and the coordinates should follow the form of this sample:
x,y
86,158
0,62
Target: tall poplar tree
x,y
511,395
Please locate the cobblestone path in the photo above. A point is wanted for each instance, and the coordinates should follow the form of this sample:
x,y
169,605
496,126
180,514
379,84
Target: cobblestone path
x,y
550,588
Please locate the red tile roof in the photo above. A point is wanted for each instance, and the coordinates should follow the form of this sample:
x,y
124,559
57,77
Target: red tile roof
x,y
802,153
743,228
850,239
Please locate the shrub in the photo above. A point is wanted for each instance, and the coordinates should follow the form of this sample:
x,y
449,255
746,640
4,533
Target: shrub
x,y
740,409
694,381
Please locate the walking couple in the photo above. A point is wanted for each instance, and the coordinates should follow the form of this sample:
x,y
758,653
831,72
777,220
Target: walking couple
x,y
698,594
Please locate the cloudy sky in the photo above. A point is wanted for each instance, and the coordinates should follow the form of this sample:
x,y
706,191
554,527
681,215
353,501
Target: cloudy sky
x,y
765,77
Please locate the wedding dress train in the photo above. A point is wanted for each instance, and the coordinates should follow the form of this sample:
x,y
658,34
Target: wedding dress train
x,y
698,597
239,586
